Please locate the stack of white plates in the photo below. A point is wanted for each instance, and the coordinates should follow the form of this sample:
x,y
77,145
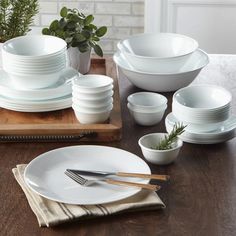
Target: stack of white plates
x,y
160,62
224,132
35,77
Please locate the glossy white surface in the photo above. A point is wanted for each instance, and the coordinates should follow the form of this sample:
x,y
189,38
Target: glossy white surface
x,y
159,82
93,96
159,157
62,88
224,132
202,104
45,174
34,45
161,52
93,83
146,101
93,104
147,118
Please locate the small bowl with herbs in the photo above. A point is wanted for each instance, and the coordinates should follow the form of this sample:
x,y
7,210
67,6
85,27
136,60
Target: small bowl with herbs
x,y
162,148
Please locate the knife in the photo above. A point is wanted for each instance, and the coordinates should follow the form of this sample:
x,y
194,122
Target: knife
x,y
121,174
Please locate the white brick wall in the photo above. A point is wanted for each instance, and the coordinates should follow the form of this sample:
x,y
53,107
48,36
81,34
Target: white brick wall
x,y
122,17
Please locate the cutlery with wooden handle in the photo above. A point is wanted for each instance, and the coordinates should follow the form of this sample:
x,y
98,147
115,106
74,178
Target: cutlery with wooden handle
x,y
121,174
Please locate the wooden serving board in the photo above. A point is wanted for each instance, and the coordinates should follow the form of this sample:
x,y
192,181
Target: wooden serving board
x,y
62,125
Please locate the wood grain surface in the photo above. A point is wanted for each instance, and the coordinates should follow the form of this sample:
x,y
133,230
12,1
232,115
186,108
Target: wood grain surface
x,y
200,197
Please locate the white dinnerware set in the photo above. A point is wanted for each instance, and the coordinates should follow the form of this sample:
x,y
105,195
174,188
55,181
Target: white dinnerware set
x,y
92,99
160,62
147,108
206,112
35,75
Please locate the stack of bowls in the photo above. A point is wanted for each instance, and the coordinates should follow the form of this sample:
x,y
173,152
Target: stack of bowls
x,y
147,108
160,62
202,108
92,99
34,62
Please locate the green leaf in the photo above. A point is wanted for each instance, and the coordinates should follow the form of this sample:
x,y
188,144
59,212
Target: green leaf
x,y
54,25
80,38
84,47
88,19
86,34
64,12
101,31
95,39
46,31
98,50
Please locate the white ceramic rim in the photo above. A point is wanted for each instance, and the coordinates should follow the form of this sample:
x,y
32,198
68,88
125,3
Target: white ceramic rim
x,y
195,43
179,143
146,111
117,55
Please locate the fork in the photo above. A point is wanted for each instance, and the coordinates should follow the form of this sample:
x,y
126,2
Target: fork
x,y
86,182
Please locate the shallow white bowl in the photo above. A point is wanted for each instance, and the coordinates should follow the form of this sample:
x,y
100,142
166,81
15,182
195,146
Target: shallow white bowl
x,y
160,52
92,117
146,101
147,118
31,46
165,82
159,157
202,104
93,83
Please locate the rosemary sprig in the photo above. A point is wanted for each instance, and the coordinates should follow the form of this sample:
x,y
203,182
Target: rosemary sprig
x,y
168,140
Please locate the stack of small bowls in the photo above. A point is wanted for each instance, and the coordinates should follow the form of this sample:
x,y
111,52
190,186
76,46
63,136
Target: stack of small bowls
x,y
34,62
147,108
160,62
202,108
92,99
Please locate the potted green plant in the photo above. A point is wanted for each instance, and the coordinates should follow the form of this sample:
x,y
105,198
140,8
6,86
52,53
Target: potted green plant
x,y
16,16
80,34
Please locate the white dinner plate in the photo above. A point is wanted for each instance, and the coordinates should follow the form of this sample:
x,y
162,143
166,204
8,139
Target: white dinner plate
x,y
62,88
224,133
45,174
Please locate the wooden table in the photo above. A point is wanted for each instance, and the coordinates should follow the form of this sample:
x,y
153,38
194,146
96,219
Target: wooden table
x,y
200,198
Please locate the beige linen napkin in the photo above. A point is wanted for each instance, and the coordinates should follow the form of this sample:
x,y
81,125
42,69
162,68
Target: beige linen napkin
x,y
51,213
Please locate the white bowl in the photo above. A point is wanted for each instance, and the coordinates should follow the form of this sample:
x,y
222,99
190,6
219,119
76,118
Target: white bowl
x,y
28,47
93,96
202,104
93,83
146,101
147,118
92,117
160,52
84,109
164,82
38,81
93,104
159,157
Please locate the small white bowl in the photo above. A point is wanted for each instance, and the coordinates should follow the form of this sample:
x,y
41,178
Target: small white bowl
x,y
93,83
92,117
93,104
92,97
92,110
146,101
147,118
202,104
159,157
160,52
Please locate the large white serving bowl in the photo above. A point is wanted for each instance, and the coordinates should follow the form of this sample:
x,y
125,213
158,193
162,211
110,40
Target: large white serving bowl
x,y
28,47
165,82
146,101
202,104
158,53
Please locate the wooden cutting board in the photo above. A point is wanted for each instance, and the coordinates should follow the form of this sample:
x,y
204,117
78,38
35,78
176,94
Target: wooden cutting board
x,y
62,125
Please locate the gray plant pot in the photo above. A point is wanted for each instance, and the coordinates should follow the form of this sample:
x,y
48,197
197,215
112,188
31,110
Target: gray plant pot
x,y
79,61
